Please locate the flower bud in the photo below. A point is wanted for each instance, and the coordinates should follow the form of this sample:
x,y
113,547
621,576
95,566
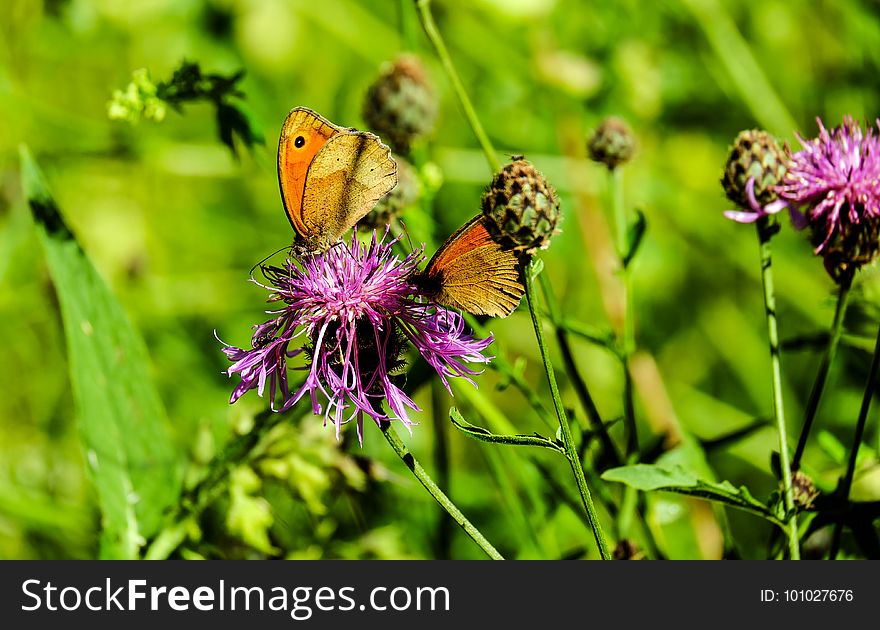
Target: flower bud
x,y
401,197
521,208
612,143
756,154
400,105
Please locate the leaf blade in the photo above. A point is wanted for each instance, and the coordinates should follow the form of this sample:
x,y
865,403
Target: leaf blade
x,y
648,477
122,423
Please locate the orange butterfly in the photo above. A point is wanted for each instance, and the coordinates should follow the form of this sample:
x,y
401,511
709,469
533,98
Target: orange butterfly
x,y
473,273
330,177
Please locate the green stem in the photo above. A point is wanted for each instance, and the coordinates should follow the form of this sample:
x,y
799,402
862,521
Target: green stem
x,y
441,462
407,27
765,233
822,374
565,428
444,501
846,482
424,8
580,386
629,334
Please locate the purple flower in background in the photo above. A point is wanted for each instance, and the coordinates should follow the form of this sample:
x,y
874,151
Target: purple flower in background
x,y
836,177
355,310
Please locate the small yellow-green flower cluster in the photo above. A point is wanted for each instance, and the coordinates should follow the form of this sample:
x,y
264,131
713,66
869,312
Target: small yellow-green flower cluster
x,y
138,100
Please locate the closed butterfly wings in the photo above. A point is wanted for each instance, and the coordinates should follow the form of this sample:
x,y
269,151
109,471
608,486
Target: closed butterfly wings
x,y
330,177
473,273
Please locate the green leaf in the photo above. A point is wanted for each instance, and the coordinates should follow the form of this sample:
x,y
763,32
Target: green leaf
x,y
647,477
122,423
634,237
484,435
234,120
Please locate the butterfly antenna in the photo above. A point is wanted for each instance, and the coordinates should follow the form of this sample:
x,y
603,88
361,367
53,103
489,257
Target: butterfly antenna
x,y
405,231
258,264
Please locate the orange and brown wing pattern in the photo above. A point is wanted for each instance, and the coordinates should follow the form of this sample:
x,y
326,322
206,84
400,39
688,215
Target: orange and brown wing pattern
x,y
350,174
303,135
474,273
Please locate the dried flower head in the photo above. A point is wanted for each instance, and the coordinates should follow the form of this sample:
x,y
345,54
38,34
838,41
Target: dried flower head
x,y
400,105
835,178
521,207
612,143
805,491
355,310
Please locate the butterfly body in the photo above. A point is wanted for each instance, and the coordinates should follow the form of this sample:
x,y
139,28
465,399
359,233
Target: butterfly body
x,y
473,273
330,177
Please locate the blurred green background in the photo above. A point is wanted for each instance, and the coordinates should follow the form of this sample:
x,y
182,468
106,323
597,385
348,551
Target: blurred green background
x,y
174,222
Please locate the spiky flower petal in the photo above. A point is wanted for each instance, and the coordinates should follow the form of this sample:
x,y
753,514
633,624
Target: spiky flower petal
x,y
835,178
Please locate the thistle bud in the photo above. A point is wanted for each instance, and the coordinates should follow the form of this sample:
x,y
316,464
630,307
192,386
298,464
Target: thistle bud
x,y
521,208
612,143
755,154
400,105
401,197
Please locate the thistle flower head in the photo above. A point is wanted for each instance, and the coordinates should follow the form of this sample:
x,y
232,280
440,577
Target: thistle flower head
x,y
612,143
521,208
401,197
754,167
354,311
400,105
835,178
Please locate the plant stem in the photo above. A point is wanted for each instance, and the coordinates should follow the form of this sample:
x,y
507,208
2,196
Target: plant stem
x,y
628,325
580,386
412,463
846,481
822,374
407,27
565,428
765,233
439,414
424,8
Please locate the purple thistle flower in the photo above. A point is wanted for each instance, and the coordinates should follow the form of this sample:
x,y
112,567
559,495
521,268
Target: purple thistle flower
x,y
355,309
837,177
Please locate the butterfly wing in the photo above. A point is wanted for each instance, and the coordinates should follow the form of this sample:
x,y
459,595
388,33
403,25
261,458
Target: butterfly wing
x,y
347,177
474,273
303,135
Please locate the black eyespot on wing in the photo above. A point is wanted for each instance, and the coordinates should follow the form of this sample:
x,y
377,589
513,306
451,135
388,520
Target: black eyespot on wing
x,y
300,142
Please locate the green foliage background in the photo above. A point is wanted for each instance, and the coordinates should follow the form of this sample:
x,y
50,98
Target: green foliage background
x,y
173,222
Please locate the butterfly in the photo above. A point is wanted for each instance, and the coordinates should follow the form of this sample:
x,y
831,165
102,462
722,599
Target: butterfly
x,y
330,177
473,273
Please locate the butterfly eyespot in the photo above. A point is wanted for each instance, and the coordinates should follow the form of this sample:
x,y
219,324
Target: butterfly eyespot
x,y
300,142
